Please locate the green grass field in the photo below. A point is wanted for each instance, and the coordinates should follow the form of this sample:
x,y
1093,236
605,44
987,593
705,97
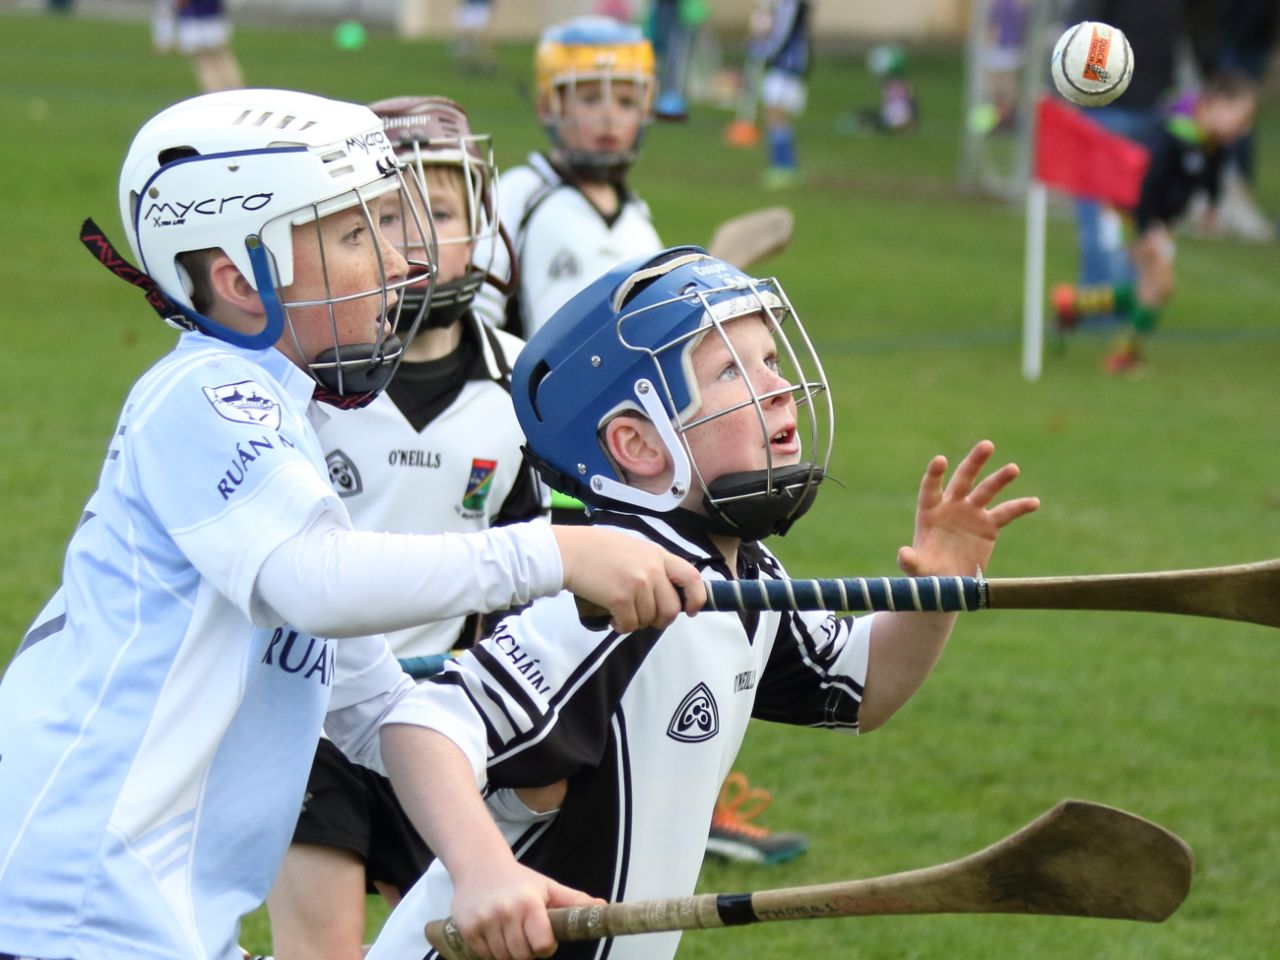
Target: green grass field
x,y
913,292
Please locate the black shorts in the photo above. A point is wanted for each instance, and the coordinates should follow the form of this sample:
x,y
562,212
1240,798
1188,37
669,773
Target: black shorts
x,y
352,808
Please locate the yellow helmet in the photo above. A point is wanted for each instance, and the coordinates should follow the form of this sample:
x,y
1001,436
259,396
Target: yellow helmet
x,y
592,48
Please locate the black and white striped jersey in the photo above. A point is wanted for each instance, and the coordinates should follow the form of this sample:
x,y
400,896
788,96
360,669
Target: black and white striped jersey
x,y
644,727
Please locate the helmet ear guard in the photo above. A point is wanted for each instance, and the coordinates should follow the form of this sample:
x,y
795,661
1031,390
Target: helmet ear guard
x,y
626,341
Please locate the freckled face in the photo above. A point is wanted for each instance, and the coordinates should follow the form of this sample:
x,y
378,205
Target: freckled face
x,y
340,255
736,442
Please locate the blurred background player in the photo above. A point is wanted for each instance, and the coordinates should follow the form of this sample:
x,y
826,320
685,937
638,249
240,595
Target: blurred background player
x,y
437,452
1237,37
571,217
472,45
898,110
783,45
201,31
1157,31
706,425
569,210
1187,158
674,27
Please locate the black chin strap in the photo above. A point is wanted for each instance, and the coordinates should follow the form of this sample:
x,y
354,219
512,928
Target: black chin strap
x,y
744,505
350,376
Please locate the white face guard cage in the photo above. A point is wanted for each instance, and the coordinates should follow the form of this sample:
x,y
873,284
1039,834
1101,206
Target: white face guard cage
x,y
350,375
237,172
561,119
472,156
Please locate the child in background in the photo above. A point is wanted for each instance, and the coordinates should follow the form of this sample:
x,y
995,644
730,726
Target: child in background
x,y
1186,159
569,210
437,452
783,45
200,30
670,395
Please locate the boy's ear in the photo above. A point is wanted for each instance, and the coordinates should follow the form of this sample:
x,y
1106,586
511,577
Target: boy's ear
x,y
635,446
230,286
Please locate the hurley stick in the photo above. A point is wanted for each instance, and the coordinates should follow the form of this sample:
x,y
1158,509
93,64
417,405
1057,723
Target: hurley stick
x,y
1249,592
1079,859
747,239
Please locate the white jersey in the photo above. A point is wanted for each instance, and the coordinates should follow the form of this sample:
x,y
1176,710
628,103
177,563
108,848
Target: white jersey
x,y
562,241
460,471
644,726
154,725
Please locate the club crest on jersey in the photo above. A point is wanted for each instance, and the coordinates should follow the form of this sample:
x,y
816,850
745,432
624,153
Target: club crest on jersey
x,y
564,264
244,402
479,484
697,718
343,474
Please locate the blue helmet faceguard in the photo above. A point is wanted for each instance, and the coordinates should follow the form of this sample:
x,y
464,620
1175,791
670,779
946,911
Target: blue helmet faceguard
x,y
624,344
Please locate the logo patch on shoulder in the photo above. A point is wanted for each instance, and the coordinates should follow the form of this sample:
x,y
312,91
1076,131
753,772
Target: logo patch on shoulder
x,y
244,402
696,719
343,474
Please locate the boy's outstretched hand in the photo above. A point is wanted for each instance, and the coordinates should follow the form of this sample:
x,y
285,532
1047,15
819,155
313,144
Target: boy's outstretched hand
x,y
956,526
956,530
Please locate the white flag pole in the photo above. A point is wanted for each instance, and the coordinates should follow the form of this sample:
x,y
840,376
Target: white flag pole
x,y
1033,281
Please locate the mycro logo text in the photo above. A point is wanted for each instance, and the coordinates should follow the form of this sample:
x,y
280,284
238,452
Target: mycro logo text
x,y
181,211
373,142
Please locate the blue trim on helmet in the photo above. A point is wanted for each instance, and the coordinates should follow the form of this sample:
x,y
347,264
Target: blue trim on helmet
x,y
266,337
594,31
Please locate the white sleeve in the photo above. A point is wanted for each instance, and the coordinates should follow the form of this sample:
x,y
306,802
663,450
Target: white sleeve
x,y
332,581
490,304
368,684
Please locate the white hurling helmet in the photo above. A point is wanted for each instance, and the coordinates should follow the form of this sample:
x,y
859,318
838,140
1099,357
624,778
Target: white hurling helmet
x,y
237,171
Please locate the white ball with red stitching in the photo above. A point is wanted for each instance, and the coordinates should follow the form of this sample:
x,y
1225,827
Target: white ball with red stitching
x,y
1092,63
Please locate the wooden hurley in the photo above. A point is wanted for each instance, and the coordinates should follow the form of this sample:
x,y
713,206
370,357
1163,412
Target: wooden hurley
x,y
1079,859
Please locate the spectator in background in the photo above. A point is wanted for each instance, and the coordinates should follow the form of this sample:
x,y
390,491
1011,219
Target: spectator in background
x,y
672,26
200,31
783,45
1242,36
1002,60
473,37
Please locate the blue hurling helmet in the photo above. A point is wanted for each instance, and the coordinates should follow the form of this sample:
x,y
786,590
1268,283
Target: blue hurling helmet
x,y
624,343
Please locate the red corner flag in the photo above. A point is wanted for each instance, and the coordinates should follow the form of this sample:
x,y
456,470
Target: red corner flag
x,y
1081,157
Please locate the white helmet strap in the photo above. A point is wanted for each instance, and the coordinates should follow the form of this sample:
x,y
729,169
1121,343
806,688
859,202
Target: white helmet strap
x,y
649,400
